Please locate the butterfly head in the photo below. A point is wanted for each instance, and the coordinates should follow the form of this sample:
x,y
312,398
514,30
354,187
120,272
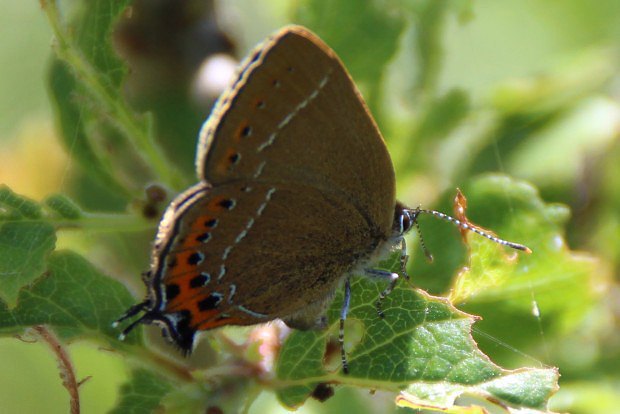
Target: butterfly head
x,y
404,218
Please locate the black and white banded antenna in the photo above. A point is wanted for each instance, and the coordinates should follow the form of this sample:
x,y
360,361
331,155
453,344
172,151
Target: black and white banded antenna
x,y
466,226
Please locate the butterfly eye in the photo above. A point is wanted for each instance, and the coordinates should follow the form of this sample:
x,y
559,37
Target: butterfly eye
x,y
404,218
405,222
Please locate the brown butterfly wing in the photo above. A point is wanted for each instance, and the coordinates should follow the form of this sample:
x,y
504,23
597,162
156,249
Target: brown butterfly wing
x,y
249,253
295,116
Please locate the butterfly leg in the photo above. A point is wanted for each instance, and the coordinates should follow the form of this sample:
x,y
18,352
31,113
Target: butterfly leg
x,y
343,316
392,277
385,275
404,258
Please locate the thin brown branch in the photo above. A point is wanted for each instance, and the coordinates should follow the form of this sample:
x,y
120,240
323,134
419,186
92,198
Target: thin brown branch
x,y
67,373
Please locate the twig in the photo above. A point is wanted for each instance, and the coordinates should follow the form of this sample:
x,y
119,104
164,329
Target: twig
x,y
67,374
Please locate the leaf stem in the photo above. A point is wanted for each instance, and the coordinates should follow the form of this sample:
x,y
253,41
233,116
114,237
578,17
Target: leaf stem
x,y
100,222
153,358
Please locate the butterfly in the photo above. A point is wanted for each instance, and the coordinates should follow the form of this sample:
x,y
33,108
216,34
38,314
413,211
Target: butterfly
x,y
296,193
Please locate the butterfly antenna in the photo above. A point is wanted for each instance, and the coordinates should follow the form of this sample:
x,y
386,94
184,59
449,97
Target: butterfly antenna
x,y
467,226
427,253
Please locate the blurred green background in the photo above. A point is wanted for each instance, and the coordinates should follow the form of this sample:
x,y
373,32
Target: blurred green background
x,y
531,88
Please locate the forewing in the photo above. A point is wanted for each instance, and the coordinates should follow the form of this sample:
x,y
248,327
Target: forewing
x,y
295,116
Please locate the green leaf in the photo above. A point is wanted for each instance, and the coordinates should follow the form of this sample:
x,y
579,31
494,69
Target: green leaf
x,y
24,248
73,298
113,143
93,28
528,388
73,84
423,341
24,244
142,394
22,206
554,282
63,206
67,97
424,344
549,292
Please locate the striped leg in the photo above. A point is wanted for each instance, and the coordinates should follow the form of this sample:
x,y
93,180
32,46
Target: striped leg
x,y
391,277
383,274
404,258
